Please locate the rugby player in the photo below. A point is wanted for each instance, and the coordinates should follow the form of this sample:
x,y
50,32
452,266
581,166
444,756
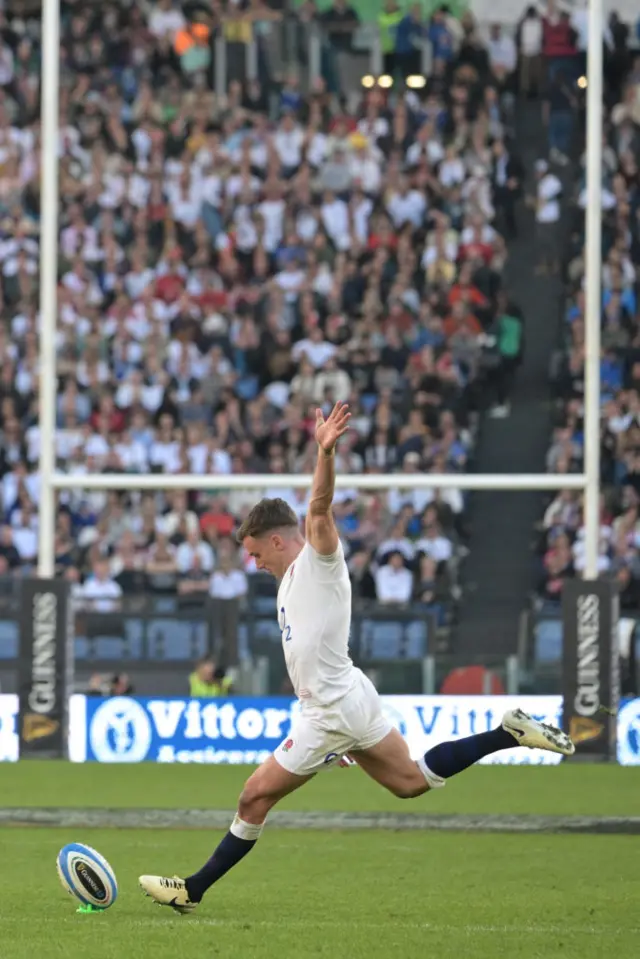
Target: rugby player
x,y
341,713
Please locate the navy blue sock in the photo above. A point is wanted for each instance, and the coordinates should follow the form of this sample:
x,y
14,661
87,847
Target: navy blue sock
x,y
447,759
230,851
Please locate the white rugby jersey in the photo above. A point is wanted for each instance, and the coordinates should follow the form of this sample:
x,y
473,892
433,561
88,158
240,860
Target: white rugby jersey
x,y
314,614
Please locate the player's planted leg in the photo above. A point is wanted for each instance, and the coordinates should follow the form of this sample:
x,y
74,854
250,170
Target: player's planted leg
x,y
239,841
264,788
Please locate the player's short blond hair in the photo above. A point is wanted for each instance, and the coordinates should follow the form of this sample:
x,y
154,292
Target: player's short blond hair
x,y
265,517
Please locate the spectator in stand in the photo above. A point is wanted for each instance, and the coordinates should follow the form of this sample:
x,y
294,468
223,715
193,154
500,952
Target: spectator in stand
x,y
100,592
208,681
617,57
340,21
161,566
228,581
559,42
508,333
8,551
195,581
117,684
429,588
440,35
394,582
362,581
433,543
388,20
503,56
529,40
229,585
558,566
411,34
547,208
560,111
507,174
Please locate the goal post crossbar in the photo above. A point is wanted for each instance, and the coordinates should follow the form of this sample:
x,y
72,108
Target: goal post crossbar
x,y
366,481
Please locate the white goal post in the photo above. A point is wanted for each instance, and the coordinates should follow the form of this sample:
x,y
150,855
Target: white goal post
x,y
52,481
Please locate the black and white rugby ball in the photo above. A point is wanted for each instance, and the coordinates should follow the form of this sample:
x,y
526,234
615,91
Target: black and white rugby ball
x,y
87,875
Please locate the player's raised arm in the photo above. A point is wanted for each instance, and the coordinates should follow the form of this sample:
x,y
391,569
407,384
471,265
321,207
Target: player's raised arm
x,y
320,527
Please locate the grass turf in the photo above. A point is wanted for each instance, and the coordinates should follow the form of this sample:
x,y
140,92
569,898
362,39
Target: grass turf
x,y
590,790
356,895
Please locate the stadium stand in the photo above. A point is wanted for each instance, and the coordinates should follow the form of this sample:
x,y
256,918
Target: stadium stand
x,y
560,539
228,260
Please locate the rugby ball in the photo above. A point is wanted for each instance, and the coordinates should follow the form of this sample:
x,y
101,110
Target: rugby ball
x,y
85,874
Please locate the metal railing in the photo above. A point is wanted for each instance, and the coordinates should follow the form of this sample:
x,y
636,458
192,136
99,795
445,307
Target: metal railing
x,y
165,633
294,46
540,649
157,637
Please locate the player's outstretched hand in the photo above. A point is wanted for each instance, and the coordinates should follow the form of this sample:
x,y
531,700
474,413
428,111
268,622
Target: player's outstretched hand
x,y
329,431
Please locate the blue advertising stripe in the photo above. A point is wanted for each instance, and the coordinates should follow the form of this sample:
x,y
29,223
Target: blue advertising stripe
x,y
629,733
247,730
236,730
239,730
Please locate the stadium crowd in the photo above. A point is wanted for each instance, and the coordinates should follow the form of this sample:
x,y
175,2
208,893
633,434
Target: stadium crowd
x,y
561,547
223,271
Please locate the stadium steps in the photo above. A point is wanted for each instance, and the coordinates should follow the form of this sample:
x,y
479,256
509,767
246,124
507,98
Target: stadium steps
x,y
499,569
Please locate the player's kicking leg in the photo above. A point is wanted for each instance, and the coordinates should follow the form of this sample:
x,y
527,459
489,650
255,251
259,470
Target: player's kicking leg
x,y
269,783
389,762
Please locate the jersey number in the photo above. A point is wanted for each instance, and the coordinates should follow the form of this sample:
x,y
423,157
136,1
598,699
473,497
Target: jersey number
x,y
286,629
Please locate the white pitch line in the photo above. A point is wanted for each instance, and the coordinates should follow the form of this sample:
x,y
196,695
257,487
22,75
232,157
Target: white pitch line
x,y
525,928
247,925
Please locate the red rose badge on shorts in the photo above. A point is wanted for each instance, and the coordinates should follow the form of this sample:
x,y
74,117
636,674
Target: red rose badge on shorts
x,y
287,746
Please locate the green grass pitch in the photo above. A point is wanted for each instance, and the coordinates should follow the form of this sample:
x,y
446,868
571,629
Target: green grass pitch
x,y
346,895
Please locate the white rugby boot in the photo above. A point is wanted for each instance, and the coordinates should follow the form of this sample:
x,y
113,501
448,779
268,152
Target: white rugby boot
x,y
168,892
527,731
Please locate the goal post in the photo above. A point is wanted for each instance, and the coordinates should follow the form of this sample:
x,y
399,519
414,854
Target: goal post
x,y
53,481
588,615
392,639
49,222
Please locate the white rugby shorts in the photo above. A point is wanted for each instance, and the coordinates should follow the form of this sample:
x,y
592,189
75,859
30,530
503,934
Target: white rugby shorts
x,y
321,735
